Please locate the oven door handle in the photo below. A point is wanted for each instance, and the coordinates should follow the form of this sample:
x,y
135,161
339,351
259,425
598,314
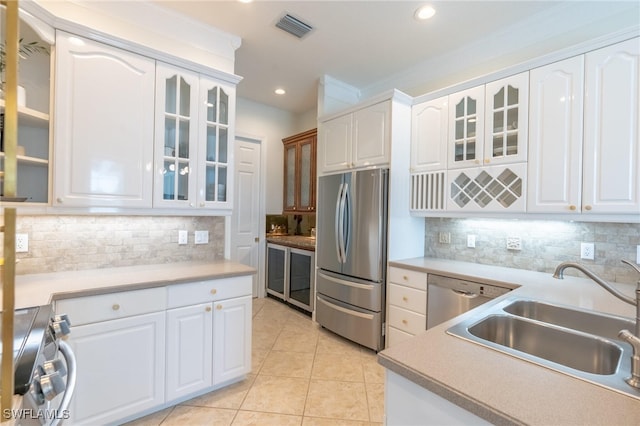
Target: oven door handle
x,y
70,360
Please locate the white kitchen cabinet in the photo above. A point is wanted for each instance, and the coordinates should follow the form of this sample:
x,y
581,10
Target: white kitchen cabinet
x,y
466,128
121,368
143,350
488,189
488,124
189,350
407,304
103,133
555,137
611,161
429,122
232,339
193,146
176,137
355,140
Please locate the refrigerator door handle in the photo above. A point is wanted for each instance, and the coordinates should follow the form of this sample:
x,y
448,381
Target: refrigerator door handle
x,y
338,224
346,219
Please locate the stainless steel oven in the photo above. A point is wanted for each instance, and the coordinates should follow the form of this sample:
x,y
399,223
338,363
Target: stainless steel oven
x,y
44,367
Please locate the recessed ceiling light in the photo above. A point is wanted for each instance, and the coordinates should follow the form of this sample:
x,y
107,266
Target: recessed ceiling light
x,y
280,91
424,12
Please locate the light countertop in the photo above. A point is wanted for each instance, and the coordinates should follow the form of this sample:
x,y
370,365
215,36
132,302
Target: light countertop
x,y
41,289
502,388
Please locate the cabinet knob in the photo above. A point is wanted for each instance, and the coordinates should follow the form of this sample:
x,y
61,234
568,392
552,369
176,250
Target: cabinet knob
x,y
59,200
190,204
207,309
572,207
214,291
405,299
218,307
587,207
405,322
406,278
202,204
487,160
115,307
477,161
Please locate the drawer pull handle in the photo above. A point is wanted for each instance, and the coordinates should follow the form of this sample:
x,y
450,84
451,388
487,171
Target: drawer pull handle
x,y
405,299
115,307
218,307
214,291
405,322
207,309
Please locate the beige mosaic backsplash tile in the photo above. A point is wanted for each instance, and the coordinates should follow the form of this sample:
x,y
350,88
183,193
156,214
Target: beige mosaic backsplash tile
x,y
544,244
65,243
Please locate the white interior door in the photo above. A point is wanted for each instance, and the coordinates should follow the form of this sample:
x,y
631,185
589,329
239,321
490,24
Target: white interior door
x,y
247,222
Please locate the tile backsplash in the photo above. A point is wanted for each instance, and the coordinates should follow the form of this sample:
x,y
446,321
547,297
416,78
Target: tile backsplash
x,y
66,243
544,244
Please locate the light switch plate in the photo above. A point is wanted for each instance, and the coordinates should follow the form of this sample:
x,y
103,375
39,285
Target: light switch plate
x,y
202,237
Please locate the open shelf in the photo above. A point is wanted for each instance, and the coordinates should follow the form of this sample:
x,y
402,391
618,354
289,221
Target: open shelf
x,y
30,117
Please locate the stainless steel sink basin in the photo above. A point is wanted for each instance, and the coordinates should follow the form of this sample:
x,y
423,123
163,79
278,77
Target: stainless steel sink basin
x,y
588,322
579,343
580,351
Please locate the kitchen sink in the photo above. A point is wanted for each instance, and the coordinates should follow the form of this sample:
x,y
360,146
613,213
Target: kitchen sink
x,y
579,351
588,322
579,343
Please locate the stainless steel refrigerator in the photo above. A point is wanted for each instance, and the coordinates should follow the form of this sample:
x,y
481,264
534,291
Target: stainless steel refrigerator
x,y
351,249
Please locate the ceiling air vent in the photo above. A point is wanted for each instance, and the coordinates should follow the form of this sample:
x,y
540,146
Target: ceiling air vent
x,y
293,26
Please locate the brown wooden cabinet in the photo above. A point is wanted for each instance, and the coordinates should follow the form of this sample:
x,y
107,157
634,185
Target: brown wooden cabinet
x,y
300,173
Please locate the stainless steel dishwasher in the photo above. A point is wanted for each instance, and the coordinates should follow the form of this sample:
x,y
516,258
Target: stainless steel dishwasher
x,y
449,297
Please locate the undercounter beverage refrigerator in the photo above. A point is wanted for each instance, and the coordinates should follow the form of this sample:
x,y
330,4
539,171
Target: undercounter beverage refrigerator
x,y
351,249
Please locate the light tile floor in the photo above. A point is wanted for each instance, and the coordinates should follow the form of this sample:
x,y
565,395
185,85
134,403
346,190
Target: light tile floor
x,y
302,375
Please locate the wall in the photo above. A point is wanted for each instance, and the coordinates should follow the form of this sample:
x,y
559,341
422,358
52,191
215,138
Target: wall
x,y
64,243
272,125
544,244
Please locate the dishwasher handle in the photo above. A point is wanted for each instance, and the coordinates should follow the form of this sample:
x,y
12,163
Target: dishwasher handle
x,y
467,294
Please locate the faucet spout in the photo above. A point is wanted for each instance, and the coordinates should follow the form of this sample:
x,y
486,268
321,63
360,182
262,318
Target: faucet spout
x,y
559,274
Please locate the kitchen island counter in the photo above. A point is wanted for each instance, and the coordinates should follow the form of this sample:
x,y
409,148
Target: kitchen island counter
x,y
295,241
40,289
501,388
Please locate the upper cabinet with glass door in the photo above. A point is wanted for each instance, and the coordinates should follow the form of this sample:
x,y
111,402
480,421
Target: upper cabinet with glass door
x,y
488,124
33,152
176,137
194,118
217,103
300,173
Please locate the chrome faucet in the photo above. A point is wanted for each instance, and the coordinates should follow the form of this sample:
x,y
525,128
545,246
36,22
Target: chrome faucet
x,y
632,338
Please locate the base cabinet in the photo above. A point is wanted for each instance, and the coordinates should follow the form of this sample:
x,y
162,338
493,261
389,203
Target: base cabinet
x,y
121,368
143,350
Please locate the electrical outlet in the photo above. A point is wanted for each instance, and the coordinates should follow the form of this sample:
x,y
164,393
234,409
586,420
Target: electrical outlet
x,y
587,251
471,241
183,237
201,237
22,243
514,243
638,254
444,238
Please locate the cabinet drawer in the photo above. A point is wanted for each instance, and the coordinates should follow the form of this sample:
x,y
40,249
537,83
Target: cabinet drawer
x,y
409,278
103,307
395,336
208,291
408,298
407,321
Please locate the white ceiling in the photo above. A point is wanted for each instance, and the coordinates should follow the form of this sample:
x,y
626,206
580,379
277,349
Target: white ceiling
x,y
378,45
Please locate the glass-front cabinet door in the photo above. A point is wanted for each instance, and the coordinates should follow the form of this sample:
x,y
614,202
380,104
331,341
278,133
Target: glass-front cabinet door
x,y
215,180
466,132
507,105
176,137
300,172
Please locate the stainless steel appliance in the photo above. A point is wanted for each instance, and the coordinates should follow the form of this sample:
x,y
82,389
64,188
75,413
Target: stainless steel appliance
x,y
44,367
449,297
351,251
